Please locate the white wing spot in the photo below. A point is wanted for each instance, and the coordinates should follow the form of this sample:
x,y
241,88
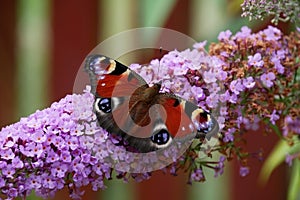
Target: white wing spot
x,y
102,84
183,128
191,126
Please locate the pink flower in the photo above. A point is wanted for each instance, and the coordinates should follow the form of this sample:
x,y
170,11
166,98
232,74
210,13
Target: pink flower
x,y
244,171
255,60
200,45
209,77
249,82
224,35
272,33
197,175
236,86
267,79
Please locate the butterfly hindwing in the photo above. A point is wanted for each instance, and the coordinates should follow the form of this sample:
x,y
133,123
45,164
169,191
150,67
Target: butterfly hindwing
x,y
186,120
178,123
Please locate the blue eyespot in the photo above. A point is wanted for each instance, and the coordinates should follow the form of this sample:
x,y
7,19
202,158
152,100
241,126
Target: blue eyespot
x,y
105,105
161,138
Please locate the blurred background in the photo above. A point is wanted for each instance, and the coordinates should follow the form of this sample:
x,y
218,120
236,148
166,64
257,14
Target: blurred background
x,y
43,43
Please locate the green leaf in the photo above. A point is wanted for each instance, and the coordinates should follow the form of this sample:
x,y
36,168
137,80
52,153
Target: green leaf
x,y
276,157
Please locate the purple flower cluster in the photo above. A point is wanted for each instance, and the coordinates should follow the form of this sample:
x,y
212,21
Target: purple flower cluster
x,y
173,68
57,147
263,72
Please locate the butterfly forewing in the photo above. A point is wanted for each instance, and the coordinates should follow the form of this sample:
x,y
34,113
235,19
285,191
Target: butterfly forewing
x,y
124,89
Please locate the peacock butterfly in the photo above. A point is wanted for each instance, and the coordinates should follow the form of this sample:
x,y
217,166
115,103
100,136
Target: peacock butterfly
x,y
145,118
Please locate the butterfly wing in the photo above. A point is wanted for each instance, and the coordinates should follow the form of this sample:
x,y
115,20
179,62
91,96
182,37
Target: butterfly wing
x,y
111,78
118,104
186,120
113,85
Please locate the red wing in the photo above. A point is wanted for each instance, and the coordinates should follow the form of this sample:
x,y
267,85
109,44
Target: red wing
x,y
178,122
118,85
186,119
113,79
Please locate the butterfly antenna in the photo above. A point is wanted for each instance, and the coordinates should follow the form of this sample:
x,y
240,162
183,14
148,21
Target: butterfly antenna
x,y
160,52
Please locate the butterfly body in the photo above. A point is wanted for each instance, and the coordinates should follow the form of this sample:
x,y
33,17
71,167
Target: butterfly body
x,y
148,120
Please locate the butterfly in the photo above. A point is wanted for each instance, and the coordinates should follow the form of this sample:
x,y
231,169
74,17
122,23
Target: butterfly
x,y
147,119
